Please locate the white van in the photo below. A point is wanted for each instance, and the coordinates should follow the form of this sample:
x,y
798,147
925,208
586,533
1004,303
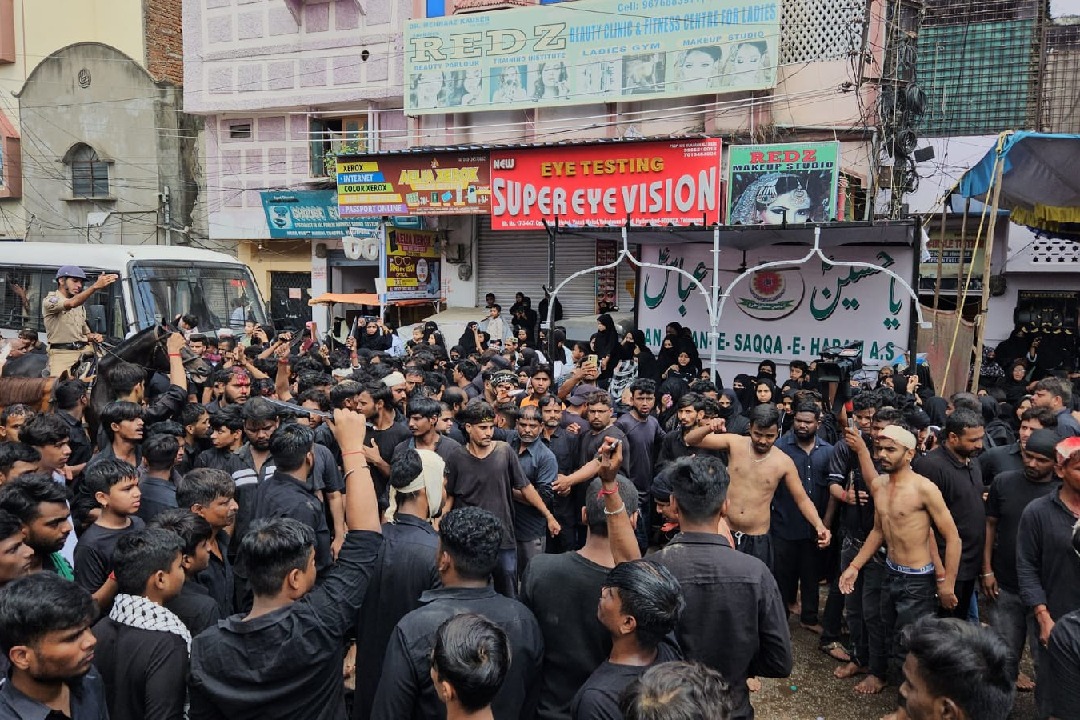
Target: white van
x,y
156,284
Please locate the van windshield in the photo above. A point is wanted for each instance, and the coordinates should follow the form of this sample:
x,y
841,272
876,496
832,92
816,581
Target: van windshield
x,y
220,296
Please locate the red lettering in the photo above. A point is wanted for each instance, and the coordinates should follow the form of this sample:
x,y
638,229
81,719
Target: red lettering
x,y
791,156
775,155
757,157
809,155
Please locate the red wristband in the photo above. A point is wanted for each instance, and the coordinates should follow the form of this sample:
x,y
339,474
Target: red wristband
x,y
604,493
175,355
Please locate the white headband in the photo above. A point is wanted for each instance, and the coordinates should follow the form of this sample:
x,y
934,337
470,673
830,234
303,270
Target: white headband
x,y
900,435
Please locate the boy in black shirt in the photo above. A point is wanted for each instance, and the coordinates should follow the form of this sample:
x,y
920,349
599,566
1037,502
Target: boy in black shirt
x,y
211,494
639,606
114,484
194,606
142,650
227,437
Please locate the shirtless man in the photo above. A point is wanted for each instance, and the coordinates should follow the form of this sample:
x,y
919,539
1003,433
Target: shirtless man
x,y
905,505
755,471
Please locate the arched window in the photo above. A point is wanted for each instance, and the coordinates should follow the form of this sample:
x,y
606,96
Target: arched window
x,y
89,173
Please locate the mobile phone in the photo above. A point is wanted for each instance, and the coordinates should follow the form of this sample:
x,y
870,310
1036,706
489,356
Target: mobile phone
x,y
851,423
592,360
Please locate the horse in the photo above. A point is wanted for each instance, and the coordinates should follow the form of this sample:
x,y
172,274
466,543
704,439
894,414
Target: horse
x,y
146,349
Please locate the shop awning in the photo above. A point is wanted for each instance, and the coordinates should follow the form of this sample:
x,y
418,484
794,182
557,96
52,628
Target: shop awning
x,y
1039,184
366,299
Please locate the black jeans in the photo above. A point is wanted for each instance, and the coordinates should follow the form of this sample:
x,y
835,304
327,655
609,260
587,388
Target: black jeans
x,y
905,598
964,589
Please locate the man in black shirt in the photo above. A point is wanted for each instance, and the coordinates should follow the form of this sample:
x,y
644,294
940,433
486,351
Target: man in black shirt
x,y
155,476
639,606
564,446
1003,458
45,632
728,594
483,474
376,402
142,650
404,571
952,468
469,546
210,494
1009,494
72,399
560,589
286,493
468,665
1047,566
194,606
284,659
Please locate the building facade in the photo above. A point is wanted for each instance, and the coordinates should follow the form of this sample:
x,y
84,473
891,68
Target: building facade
x,y
95,144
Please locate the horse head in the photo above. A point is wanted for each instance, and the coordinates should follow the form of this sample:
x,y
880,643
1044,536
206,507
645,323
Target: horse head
x,y
147,349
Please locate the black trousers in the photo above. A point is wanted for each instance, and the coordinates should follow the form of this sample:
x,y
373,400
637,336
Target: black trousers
x,y
797,563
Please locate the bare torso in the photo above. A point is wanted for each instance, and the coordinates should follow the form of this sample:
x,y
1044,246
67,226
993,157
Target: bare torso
x,y
900,506
753,484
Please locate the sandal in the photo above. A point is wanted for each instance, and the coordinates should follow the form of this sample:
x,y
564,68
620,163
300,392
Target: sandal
x,y
836,651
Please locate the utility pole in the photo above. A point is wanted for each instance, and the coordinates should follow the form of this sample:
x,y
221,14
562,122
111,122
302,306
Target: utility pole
x,y
167,208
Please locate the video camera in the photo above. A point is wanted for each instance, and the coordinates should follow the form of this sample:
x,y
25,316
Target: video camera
x,y
837,365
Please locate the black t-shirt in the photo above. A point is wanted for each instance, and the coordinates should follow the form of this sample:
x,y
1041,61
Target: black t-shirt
x,y
562,591
487,483
195,608
386,440
144,671
598,698
1009,494
93,554
962,487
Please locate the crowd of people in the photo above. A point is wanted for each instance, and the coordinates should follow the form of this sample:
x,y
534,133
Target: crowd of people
x,y
384,530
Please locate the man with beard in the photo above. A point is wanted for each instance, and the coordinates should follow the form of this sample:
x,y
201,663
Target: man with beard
x,y
45,633
384,433
690,413
952,468
540,468
756,471
232,387
484,473
643,436
799,561
598,414
1011,492
563,444
906,506
41,506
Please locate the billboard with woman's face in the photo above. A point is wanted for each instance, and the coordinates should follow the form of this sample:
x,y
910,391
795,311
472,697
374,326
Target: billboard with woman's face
x,y
792,184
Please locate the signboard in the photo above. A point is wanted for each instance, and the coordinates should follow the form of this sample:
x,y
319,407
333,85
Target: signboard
x,y
792,183
783,314
589,51
311,214
442,183
412,265
673,182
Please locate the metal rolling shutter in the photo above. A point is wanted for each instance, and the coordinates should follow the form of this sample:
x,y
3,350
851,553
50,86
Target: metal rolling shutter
x,y
516,261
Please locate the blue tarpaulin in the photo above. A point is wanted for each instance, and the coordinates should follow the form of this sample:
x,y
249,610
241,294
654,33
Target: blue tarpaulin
x,y
1040,185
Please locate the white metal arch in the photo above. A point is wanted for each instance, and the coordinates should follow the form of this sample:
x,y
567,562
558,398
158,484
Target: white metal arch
x,y
716,300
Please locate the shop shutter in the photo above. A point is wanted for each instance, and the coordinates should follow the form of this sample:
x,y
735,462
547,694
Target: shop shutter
x,y
512,261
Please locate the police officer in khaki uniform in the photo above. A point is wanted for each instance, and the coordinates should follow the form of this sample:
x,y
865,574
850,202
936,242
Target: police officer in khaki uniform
x,y
65,317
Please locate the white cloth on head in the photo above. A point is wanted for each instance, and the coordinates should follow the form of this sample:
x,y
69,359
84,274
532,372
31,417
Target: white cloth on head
x,y
430,480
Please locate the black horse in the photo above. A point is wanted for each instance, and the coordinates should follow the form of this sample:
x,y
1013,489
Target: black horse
x,y
146,349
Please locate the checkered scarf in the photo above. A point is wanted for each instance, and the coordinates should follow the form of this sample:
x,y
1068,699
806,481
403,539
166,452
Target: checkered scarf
x,y
138,612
